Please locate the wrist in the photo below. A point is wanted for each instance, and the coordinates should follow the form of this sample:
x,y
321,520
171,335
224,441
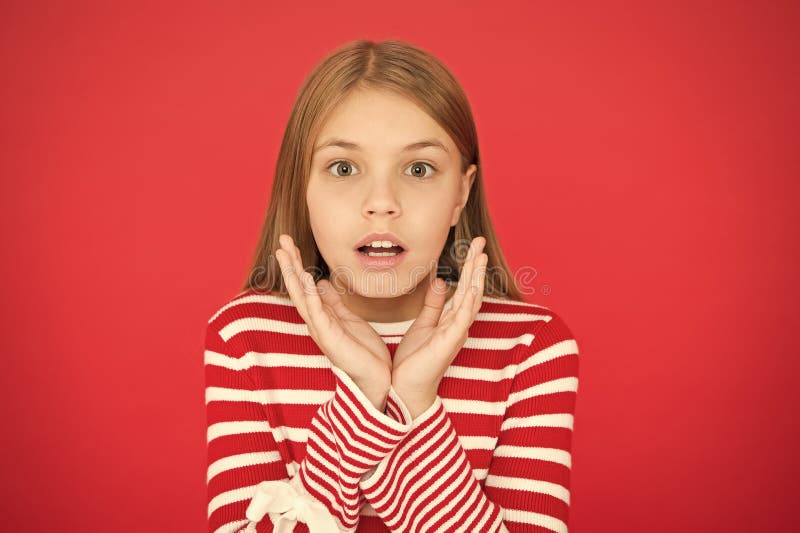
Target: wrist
x,y
377,395
416,404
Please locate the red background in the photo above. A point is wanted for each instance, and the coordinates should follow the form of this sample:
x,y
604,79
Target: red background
x,y
641,157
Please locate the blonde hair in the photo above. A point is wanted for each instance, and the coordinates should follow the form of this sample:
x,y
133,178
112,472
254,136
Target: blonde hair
x,y
411,72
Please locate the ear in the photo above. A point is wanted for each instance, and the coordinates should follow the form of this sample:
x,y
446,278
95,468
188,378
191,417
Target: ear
x,y
465,186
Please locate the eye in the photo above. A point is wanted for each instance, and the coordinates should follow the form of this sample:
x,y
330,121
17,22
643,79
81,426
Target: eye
x,y
419,165
345,164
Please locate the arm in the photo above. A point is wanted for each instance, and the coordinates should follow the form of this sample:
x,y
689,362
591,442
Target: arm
x,y
427,483
348,435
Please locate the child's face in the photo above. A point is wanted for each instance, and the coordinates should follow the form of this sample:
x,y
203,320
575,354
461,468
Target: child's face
x,y
382,188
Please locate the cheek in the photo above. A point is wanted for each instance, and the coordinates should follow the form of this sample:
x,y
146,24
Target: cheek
x,y
432,211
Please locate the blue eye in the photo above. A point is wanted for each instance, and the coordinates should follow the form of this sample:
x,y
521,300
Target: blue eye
x,y
421,164
347,165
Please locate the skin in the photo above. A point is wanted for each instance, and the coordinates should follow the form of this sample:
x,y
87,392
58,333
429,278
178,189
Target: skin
x,y
377,192
379,188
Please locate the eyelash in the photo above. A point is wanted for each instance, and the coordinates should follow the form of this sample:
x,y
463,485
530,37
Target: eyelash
x,y
415,162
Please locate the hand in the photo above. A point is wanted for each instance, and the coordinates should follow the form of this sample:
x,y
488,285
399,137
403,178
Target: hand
x,y
349,342
433,340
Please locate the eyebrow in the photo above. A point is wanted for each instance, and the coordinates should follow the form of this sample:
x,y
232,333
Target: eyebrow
x,y
424,143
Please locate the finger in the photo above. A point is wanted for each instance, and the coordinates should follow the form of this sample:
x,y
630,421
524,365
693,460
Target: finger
x,y
459,294
480,282
293,284
320,320
313,304
464,280
435,298
294,255
333,299
465,314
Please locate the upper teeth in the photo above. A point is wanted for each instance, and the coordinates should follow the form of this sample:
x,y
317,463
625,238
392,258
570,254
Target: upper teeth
x,y
381,244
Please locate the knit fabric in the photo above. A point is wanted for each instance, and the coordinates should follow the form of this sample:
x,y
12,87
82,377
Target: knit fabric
x,y
492,454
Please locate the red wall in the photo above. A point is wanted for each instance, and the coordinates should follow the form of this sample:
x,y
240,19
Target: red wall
x,y
641,158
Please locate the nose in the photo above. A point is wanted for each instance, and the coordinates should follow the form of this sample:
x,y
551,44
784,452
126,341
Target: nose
x,y
381,200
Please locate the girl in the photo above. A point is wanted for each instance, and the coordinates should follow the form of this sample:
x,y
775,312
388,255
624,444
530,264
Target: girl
x,y
396,383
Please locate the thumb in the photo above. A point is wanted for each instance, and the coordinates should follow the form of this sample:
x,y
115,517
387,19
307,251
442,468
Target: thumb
x,y
333,299
435,298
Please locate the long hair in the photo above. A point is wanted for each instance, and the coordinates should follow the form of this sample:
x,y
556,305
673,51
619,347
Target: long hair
x,y
411,72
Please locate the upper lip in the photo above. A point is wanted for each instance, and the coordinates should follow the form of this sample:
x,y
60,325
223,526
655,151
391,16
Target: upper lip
x,y
367,239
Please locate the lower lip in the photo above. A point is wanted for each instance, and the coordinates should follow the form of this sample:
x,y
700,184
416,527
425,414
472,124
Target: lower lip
x,y
381,262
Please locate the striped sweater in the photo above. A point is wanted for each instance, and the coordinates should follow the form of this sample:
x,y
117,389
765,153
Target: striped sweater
x,y
295,445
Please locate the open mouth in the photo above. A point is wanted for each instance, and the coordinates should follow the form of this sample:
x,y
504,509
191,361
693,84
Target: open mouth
x,y
372,251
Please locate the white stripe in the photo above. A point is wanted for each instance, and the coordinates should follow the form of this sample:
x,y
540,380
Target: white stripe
x,y
226,429
279,433
553,455
253,298
292,434
280,300
240,325
559,349
535,519
289,361
317,398
211,357
242,460
512,317
529,485
231,496
494,299
269,396
491,375
266,360
493,343
478,443
477,407
254,323
568,384
558,420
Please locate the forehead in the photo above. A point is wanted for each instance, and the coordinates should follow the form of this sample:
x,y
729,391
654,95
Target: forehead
x,y
374,121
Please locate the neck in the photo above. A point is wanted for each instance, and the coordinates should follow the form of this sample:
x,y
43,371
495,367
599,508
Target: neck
x,y
399,308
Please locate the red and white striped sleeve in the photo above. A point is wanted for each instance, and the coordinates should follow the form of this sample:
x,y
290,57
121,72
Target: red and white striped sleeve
x,y
426,483
248,484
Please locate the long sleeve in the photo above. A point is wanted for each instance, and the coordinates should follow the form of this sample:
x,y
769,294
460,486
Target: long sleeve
x,y
348,435
426,483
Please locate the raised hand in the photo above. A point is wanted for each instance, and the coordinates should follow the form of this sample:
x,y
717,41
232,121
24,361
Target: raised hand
x,y
433,340
348,341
